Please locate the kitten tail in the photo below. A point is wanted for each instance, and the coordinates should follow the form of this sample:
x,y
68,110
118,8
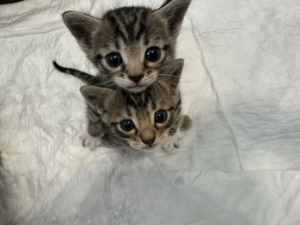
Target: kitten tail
x,y
87,78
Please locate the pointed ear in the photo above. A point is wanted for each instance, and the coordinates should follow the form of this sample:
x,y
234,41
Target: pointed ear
x,y
82,27
175,69
173,11
97,96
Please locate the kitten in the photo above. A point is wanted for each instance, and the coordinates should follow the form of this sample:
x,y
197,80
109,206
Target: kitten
x,y
138,121
130,45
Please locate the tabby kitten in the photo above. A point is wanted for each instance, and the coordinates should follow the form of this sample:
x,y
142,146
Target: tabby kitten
x,y
130,45
138,121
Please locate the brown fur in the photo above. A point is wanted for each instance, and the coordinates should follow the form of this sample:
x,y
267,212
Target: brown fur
x,y
129,31
185,123
115,106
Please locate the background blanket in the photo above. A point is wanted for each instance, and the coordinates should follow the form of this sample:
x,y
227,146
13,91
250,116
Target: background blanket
x,y
239,164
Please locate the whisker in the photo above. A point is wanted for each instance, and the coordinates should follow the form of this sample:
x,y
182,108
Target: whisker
x,y
155,88
168,81
160,89
165,75
167,66
103,82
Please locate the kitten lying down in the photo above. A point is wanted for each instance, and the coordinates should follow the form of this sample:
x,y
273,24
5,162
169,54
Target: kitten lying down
x,y
137,121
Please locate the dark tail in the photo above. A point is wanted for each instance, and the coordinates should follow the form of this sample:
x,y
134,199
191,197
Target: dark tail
x,y
87,78
9,1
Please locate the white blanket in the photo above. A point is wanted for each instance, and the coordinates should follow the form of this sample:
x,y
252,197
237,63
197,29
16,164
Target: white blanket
x,y
237,165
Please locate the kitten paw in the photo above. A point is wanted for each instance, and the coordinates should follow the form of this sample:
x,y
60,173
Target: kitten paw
x,y
170,143
92,142
173,141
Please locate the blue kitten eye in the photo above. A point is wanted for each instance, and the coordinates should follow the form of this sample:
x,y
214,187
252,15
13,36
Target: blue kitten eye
x,y
127,125
160,116
114,59
152,54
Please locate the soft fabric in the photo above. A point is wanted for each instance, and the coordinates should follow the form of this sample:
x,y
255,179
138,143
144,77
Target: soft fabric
x,y
239,164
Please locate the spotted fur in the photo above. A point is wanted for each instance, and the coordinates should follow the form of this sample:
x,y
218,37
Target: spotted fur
x,y
128,31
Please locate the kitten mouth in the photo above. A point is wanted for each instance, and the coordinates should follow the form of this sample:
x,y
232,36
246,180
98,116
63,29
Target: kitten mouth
x,y
137,87
150,147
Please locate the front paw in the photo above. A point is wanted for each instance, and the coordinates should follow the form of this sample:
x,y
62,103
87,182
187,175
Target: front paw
x,y
170,143
90,141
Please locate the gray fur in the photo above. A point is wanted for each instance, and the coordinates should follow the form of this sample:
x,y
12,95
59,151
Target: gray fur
x,y
129,31
107,108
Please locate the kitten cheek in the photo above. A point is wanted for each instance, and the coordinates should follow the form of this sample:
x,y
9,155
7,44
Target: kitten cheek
x,y
150,79
164,135
122,75
153,75
133,144
121,82
163,126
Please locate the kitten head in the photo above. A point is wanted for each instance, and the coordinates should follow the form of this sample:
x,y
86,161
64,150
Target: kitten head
x,y
144,120
129,45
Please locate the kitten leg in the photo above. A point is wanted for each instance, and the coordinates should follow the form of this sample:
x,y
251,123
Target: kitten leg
x,y
185,123
171,142
90,141
92,137
174,140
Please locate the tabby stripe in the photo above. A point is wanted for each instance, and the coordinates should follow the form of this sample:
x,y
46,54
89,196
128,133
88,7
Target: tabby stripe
x,y
120,24
119,32
85,77
166,47
140,31
142,27
138,100
172,131
113,20
178,104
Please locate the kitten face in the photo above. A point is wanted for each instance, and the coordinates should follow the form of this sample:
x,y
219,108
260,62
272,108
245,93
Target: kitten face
x,y
142,128
144,120
132,59
130,45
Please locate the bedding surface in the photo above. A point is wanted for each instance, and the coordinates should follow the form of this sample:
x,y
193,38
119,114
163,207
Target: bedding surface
x,y
239,164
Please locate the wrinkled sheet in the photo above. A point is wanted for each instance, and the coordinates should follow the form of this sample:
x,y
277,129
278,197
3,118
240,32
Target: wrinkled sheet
x,y
239,164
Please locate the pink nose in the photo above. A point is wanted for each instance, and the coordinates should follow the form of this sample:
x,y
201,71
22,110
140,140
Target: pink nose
x,y
137,78
149,141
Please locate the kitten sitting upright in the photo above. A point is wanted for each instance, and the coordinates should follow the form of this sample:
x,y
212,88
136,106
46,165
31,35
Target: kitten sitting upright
x,y
130,45
138,121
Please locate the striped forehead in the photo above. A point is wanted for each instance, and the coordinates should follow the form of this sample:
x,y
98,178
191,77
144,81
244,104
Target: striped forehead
x,y
140,100
128,23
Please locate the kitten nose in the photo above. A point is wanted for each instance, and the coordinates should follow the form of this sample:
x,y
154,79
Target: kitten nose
x,y
149,141
137,78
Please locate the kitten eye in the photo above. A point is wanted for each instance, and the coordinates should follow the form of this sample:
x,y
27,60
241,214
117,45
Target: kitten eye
x,y
160,116
114,59
152,54
127,125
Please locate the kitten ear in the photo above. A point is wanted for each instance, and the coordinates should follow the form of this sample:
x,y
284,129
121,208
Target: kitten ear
x,y
96,96
176,70
173,11
82,27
